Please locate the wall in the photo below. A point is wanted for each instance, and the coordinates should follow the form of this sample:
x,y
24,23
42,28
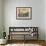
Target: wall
x,y
0,18
45,19
37,15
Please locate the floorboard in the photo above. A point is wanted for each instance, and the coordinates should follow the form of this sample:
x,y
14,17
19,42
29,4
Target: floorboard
x,y
25,43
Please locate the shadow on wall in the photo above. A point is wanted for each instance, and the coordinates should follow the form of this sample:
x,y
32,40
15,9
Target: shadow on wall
x,y
1,34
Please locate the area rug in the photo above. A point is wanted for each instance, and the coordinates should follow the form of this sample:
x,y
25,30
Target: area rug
x,y
23,45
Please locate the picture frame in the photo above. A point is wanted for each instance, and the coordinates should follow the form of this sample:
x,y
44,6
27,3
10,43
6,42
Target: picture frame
x,y
24,13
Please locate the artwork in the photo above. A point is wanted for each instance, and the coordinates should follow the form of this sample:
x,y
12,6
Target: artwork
x,y
23,13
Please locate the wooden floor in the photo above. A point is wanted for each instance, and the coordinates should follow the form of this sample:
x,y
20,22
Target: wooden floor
x,y
40,42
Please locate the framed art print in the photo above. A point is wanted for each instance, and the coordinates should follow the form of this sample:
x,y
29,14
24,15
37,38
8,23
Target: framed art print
x,y
23,13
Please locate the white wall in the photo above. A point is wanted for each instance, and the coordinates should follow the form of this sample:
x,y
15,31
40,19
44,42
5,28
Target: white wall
x,y
38,15
45,19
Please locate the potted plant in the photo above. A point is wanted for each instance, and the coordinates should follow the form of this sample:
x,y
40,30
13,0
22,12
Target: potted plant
x,y
2,37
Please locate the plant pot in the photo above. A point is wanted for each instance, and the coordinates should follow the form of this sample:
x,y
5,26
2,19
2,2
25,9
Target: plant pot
x,y
3,41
